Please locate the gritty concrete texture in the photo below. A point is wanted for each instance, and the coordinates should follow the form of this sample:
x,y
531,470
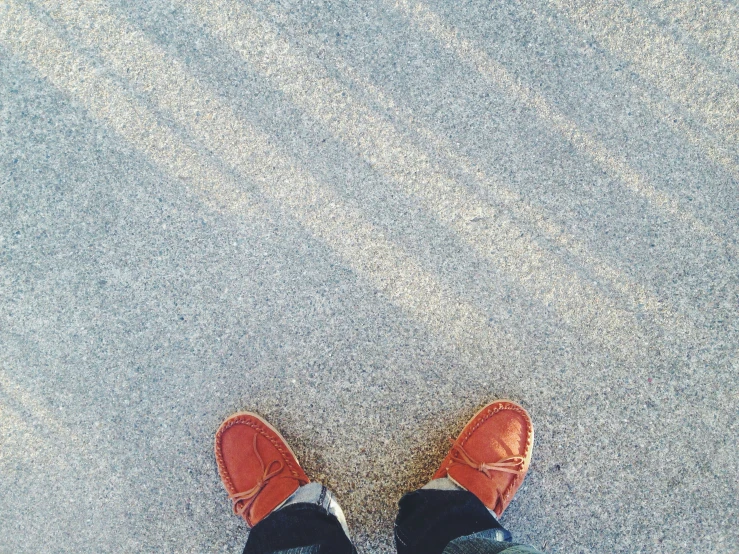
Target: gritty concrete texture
x,y
364,221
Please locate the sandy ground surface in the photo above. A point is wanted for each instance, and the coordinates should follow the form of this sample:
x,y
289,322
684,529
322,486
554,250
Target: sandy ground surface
x,y
364,221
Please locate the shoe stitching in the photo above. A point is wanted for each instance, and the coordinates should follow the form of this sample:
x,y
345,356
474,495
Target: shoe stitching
x,y
510,464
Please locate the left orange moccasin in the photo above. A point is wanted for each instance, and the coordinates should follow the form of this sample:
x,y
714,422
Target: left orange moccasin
x,y
256,465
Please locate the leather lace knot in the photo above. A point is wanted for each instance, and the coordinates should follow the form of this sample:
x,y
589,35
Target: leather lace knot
x,y
511,464
243,501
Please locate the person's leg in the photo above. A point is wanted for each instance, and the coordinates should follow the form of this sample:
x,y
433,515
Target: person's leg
x,y
457,512
285,511
309,522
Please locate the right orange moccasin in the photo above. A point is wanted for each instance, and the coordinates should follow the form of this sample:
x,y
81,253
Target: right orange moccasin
x,y
492,454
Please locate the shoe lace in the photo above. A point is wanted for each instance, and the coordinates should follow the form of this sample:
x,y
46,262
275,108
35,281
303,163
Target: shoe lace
x,y
511,464
243,501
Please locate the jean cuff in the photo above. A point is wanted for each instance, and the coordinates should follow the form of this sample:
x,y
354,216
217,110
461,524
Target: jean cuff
x,y
449,484
315,493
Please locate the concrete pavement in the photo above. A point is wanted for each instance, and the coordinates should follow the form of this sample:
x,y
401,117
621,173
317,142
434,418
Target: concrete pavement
x,y
365,221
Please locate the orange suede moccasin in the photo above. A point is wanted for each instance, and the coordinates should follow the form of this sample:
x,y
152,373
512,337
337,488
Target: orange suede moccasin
x,y
491,456
256,466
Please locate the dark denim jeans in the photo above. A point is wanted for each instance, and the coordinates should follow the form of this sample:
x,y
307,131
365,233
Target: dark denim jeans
x,y
430,521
